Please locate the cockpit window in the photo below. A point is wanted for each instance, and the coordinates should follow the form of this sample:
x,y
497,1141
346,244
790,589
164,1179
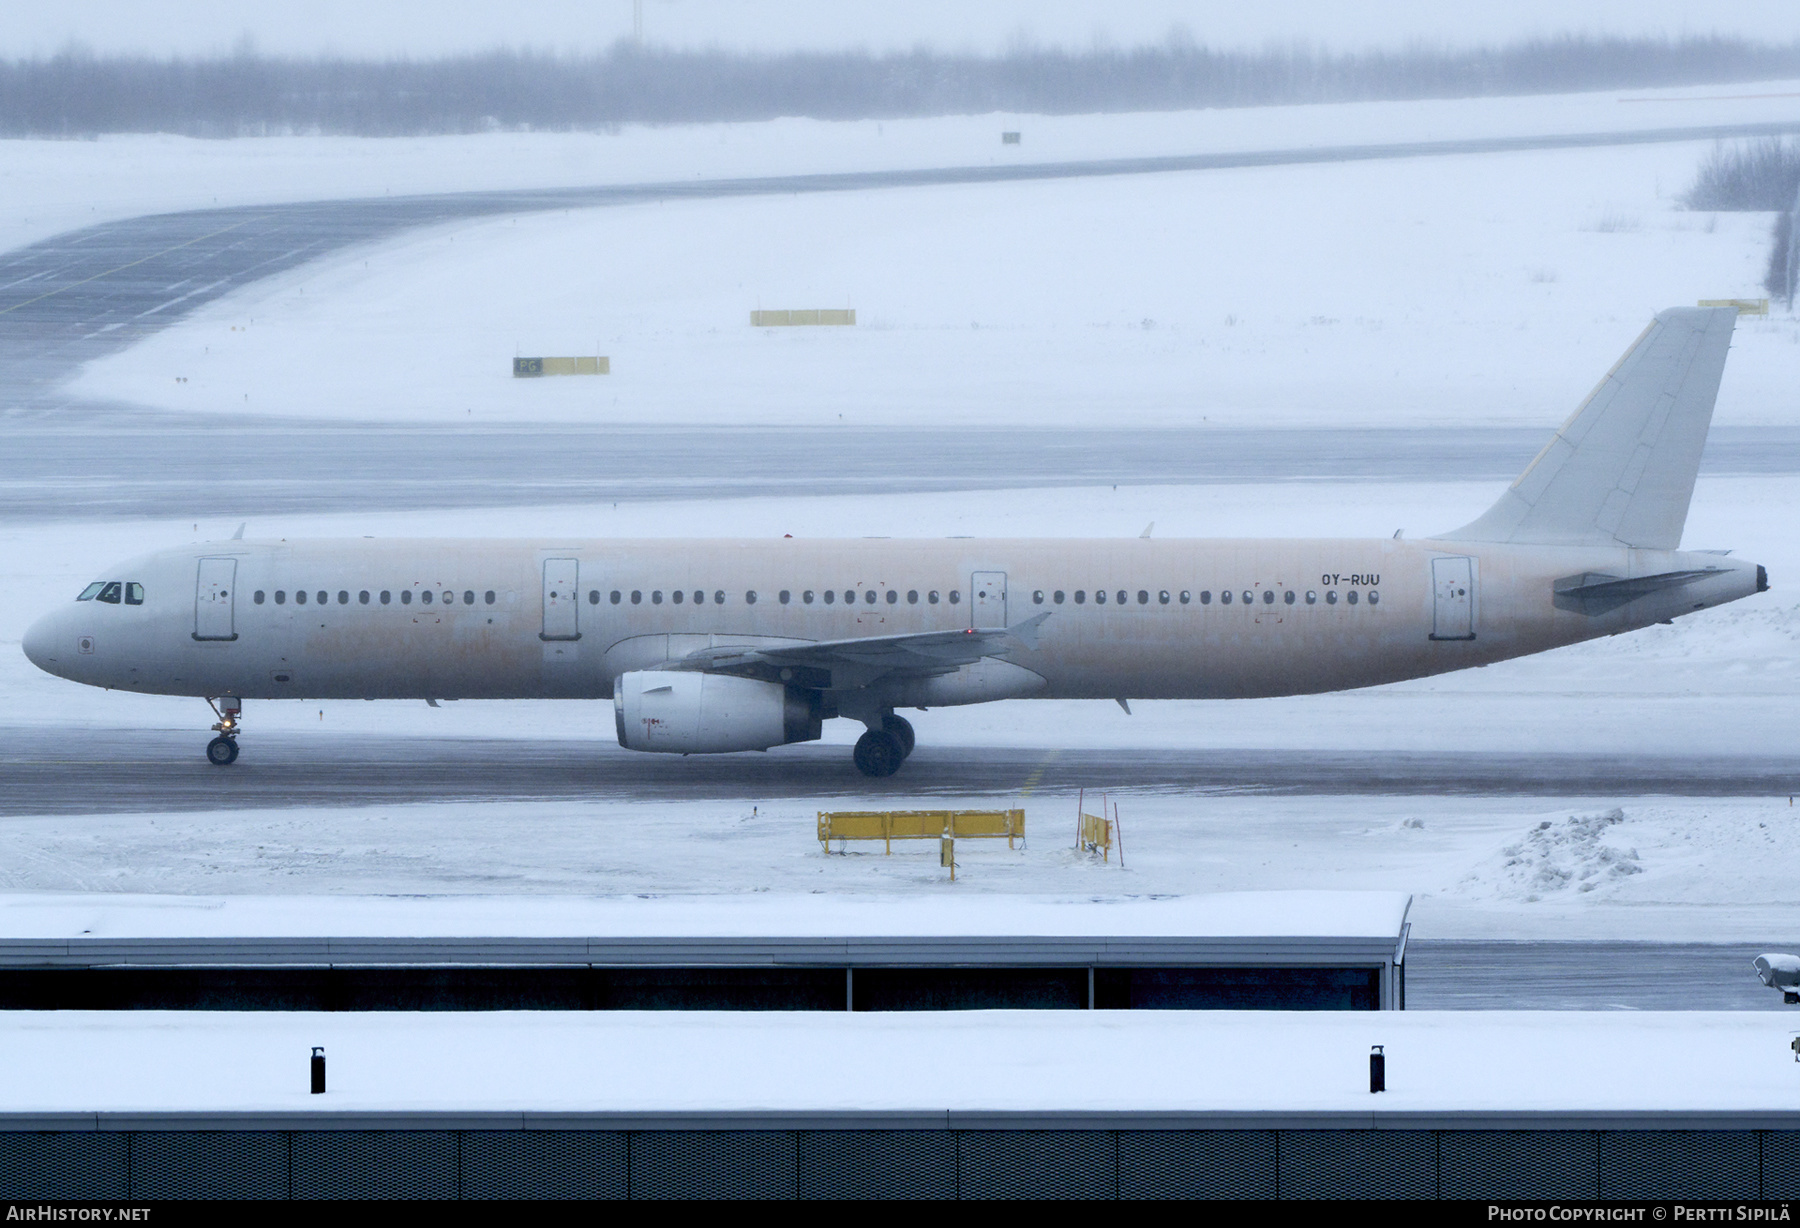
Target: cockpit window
x,y
91,591
110,594
134,593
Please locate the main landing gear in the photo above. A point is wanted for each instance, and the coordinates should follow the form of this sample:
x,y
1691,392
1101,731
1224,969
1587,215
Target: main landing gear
x,y
222,751
880,752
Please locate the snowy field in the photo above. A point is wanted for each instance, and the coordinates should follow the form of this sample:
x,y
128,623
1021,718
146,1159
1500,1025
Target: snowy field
x,y
1647,869
1453,291
51,186
674,1061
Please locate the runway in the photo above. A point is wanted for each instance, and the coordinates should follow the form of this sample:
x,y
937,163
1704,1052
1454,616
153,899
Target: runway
x,y
123,771
180,469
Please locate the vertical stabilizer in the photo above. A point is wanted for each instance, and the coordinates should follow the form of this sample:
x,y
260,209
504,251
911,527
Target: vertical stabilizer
x,y
1621,470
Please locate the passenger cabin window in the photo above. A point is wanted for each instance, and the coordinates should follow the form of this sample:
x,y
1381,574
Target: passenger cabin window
x,y
489,597
931,598
134,593
386,597
362,598
593,596
869,596
656,596
912,596
1350,596
1205,596
678,596
637,597
257,596
1057,596
281,596
830,596
91,591
299,596
1331,596
1080,596
1248,596
425,597
1037,596
469,596
406,596
750,597
1186,596
719,597
1374,597
343,596
616,597
784,596
1288,596
1312,598
323,596
893,597
1163,597
849,596
1268,596
1099,596
806,598
1225,597
1144,597
699,597
955,596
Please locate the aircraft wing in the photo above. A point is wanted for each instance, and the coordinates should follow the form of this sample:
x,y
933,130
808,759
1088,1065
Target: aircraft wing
x,y
856,662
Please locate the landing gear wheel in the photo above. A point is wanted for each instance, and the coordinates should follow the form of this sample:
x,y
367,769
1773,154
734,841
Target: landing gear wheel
x,y
222,751
878,753
902,730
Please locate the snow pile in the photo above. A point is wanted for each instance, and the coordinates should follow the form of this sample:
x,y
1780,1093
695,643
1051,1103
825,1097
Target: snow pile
x,y
1556,857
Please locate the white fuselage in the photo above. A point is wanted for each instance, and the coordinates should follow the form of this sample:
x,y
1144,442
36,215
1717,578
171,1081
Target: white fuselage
x,y
562,618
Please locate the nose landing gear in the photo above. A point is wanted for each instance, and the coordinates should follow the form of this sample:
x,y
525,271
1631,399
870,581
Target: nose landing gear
x,y
223,750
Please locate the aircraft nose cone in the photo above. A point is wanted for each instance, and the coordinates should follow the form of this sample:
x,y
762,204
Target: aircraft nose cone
x,y
40,645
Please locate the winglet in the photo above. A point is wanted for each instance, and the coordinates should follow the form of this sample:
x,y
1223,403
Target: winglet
x,y
1026,632
239,535
1145,535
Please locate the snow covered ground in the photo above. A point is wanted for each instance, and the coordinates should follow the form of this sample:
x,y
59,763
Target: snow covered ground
x,y
1435,292
1640,869
1454,291
673,1061
50,186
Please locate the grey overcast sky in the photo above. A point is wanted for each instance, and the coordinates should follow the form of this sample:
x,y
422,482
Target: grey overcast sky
x,y
358,28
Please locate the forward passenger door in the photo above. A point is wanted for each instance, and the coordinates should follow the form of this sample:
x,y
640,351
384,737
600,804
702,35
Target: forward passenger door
x,y
215,599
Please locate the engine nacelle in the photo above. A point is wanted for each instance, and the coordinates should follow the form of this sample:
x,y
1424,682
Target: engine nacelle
x,y
687,713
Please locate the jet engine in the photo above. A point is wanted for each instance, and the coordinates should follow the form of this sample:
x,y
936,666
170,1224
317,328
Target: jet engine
x,y
687,713
1781,972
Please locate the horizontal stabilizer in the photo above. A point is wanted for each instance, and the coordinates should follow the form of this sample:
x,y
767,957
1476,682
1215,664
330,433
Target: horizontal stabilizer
x,y
1596,593
1621,470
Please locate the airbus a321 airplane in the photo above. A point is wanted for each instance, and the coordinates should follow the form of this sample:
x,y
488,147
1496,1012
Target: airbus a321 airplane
x,y
734,645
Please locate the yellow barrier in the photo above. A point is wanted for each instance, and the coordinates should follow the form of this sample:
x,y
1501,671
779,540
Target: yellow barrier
x,y
782,319
891,825
1745,306
528,368
1097,835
